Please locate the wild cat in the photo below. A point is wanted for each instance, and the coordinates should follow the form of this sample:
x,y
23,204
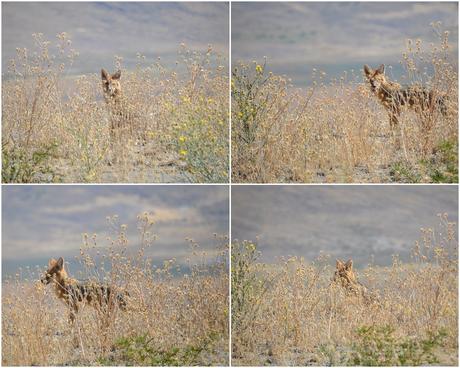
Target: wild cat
x,y
393,96
73,292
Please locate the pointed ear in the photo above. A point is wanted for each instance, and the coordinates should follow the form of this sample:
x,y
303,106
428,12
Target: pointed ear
x,y
104,74
367,70
60,263
117,75
349,265
381,69
51,262
338,264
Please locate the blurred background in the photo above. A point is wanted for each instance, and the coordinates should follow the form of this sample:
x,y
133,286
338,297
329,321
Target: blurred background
x,y
40,222
335,37
101,30
359,222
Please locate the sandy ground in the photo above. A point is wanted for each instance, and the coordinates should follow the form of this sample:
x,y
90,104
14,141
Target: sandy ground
x,y
146,164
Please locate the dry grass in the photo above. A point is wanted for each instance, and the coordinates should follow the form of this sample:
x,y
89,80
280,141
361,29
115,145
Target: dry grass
x,y
174,316
337,131
57,128
292,314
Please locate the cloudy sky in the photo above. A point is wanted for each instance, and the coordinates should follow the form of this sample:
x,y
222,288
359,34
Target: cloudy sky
x,y
333,37
343,221
100,30
40,222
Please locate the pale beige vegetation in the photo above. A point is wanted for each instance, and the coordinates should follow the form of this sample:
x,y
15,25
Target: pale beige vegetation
x,y
337,131
292,313
56,127
175,315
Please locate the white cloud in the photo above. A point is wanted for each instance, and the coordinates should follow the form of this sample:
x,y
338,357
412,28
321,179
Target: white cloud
x,y
44,221
296,36
101,30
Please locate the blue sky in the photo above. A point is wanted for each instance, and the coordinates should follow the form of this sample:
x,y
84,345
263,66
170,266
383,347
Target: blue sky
x,y
100,30
297,37
343,221
39,222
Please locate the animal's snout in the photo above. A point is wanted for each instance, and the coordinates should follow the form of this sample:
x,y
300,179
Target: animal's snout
x,y
111,89
46,279
373,85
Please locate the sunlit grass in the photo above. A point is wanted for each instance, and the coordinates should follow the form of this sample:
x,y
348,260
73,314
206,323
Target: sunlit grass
x,y
337,131
174,121
291,313
175,314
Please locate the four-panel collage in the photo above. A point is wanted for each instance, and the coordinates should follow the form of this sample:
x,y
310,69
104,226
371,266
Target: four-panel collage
x,y
229,183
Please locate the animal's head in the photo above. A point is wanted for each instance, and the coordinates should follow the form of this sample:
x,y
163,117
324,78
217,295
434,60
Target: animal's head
x,y
55,271
344,273
111,84
375,77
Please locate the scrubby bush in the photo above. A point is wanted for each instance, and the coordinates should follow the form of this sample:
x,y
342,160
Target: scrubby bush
x,y
175,314
336,130
177,119
290,313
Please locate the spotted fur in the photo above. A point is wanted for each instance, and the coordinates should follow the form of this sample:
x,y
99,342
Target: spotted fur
x,y
73,292
119,118
393,96
345,277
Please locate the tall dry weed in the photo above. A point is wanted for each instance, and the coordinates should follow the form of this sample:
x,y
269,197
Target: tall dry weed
x,y
337,131
175,315
294,314
173,122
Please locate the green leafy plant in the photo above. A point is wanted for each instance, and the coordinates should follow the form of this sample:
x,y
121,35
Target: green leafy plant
x,y
378,346
140,350
21,166
248,289
444,167
403,172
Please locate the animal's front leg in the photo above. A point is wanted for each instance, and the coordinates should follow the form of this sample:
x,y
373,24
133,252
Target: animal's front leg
x,y
73,312
115,140
393,114
394,126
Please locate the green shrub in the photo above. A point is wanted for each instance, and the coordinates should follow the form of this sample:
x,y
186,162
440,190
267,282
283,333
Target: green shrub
x,y
20,166
258,99
248,291
444,168
139,351
201,118
378,346
404,172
